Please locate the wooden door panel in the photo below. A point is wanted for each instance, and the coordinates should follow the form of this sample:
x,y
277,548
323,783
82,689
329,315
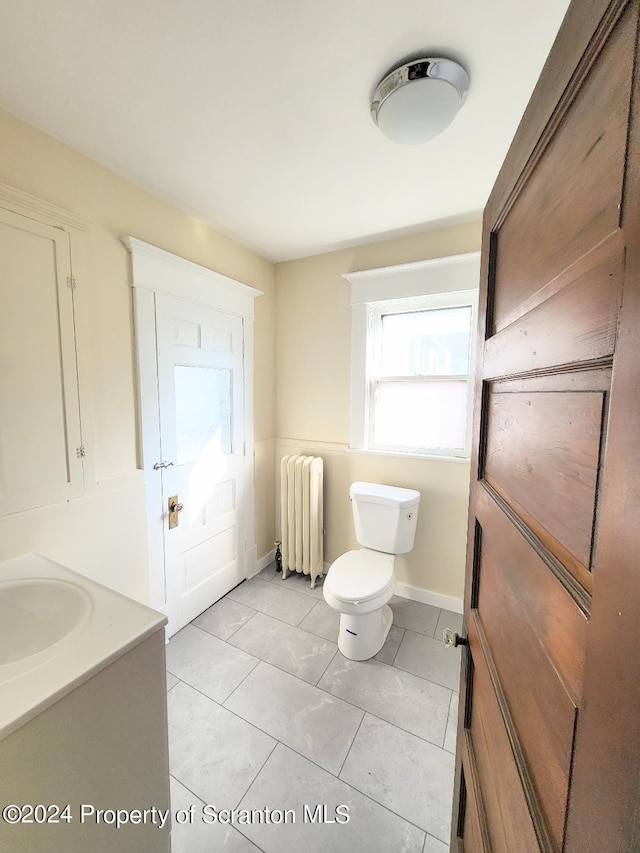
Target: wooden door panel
x,y
571,200
546,761
543,602
509,821
576,323
539,702
473,817
471,828
542,450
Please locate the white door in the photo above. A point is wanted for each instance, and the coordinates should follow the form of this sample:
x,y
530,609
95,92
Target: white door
x,y
201,394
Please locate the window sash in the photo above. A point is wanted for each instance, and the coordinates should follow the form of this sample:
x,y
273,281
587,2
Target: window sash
x,y
424,340
442,430
374,377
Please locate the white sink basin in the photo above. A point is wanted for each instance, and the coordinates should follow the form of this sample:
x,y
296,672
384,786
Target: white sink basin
x,y
58,629
36,613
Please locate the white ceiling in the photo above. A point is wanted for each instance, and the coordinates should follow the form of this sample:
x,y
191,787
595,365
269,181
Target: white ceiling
x,y
254,114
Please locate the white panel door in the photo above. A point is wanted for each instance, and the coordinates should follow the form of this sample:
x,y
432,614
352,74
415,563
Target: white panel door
x,y
201,394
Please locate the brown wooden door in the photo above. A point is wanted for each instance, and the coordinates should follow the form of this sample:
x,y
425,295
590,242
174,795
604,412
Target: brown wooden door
x,y
549,730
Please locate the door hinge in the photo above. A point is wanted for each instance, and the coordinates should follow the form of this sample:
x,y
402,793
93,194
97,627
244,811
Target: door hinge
x,y
244,448
71,282
81,451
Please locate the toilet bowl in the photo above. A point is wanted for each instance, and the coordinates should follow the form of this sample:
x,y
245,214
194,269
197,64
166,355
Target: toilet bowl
x,y
360,583
359,586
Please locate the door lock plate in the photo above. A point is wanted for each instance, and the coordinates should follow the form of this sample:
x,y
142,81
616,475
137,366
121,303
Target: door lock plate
x,y
174,509
451,639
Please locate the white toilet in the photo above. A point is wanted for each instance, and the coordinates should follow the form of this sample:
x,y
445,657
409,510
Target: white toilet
x,y
360,583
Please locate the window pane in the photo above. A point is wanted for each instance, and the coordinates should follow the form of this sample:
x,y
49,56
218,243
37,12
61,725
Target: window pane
x,y
420,414
426,343
203,411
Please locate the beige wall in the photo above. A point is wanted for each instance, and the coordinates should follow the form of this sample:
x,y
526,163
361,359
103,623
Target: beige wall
x,y
104,535
312,404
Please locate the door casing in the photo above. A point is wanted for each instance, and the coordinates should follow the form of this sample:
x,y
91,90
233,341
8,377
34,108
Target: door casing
x,y
157,271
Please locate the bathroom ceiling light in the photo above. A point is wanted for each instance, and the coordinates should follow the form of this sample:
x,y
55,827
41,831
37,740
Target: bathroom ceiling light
x,y
418,100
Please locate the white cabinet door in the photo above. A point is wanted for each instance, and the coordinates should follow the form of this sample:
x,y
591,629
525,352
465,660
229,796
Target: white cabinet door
x,y
200,388
40,439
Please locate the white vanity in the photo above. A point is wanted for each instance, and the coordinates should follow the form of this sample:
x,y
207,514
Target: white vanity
x,y
83,720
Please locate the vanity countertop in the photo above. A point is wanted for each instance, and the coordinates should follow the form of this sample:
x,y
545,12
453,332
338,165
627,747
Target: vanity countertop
x,y
58,628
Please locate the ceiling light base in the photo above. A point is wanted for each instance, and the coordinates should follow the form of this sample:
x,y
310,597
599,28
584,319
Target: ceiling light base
x,y
420,99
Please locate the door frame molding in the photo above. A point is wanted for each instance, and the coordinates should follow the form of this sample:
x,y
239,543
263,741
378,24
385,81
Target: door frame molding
x,y
157,271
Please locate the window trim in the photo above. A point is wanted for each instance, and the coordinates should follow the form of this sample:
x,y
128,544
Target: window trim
x,y
442,282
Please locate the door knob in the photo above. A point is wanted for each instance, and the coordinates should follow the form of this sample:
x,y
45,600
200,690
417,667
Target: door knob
x,y
174,506
450,638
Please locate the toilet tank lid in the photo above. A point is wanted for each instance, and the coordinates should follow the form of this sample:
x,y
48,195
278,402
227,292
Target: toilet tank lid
x,y
379,494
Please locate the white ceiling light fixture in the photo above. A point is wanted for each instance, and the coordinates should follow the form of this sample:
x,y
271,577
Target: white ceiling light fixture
x,y
419,99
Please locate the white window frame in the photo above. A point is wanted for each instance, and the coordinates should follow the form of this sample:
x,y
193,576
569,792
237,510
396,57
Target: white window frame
x,y
439,283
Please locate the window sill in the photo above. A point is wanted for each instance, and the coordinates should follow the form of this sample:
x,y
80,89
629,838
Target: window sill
x,y
431,457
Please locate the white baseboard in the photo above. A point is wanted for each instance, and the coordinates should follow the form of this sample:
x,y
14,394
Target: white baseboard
x,y
425,596
252,556
263,562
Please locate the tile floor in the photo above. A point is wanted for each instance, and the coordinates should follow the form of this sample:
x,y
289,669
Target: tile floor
x,y
266,714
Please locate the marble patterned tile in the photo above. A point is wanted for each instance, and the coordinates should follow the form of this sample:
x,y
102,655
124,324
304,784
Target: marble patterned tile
x,y
382,760
452,725
400,698
300,583
323,621
448,619
429,659
272,575
291,649
432,845
273,599
207,663
171,681
198,836
418,617
269,573
213,752
388,652
315,724
224,618
290,781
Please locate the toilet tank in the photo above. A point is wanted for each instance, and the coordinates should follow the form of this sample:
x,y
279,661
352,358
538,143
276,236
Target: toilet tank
x,y
385,517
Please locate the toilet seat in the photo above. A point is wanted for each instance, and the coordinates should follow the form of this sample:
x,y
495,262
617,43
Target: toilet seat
x,y
359,576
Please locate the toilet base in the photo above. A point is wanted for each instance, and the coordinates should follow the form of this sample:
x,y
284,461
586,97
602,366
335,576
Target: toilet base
x,y
361,637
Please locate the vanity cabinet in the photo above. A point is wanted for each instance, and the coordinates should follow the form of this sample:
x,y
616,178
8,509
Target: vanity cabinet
x,y
101,750
83,715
